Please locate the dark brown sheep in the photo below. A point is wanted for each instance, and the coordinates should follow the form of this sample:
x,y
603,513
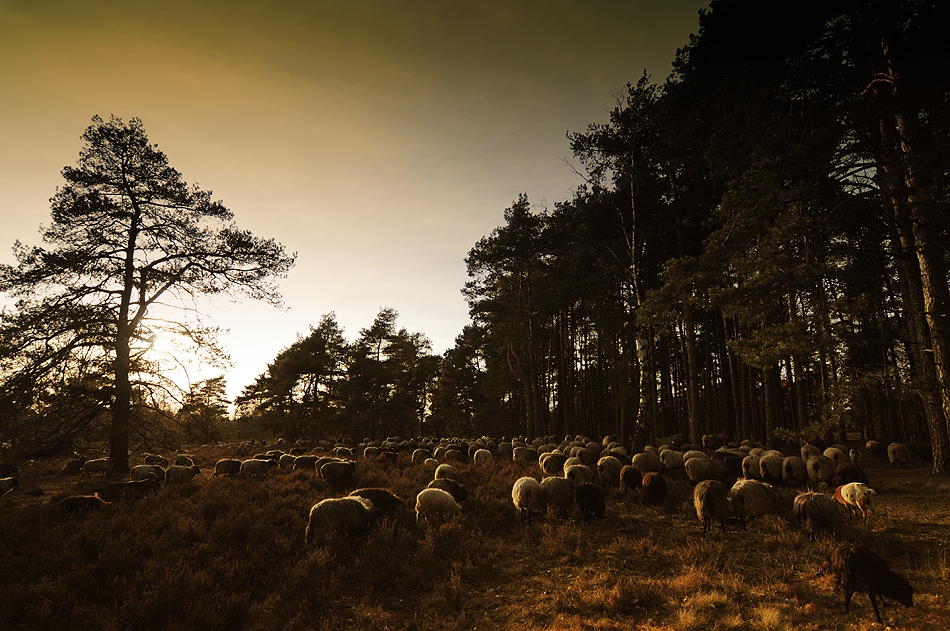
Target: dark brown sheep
x,y
590,501
857,568
654,488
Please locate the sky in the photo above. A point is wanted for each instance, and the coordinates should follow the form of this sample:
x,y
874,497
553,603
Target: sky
x,y
379,140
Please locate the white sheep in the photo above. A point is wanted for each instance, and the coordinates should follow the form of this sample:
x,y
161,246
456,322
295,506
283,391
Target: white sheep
x,y
817,513
527,497
699,469
351,515
672,459
98,465
647,461
608,467
446,471
858,497
482,457
435,505
579,474
751,498
750,467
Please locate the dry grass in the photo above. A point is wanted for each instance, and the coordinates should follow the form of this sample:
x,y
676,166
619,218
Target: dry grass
x,y
229,554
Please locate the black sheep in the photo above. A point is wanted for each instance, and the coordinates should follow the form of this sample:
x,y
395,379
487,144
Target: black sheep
x,y
654,488
590,500
857,568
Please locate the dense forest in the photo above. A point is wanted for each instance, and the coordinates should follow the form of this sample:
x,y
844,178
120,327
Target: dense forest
x,y
759,249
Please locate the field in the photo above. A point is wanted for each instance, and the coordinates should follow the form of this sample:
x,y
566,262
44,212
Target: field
x,y
221,553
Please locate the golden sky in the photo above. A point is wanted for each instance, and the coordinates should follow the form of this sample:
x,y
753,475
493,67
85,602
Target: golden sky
x,y
378,139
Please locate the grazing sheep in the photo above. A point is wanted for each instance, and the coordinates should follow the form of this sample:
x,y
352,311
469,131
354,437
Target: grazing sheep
x,y
899,455
73,466
180,474
794,471
458,491
710,502
8,484
185,460
877,450
694,453
552,463
81,503
146,472
338,474
482,457
647,461
750,467
820,469
435,505
347,516
847,472
131,491
343,452
654,488
770,468
558,494
527,497
99,465
254,467
809,450
751,498
579,474
699,469
446,471
836,455
817,513
630,479
857,497
384,500
420,455
608,467
590,501
524,455
227,466
304,463
158,459
857,568
671,459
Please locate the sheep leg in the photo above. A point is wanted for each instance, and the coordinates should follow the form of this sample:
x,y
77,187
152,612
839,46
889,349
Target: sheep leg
x,y
877,614
847,600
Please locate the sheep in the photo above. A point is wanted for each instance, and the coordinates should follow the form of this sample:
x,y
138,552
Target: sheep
x,y
750,467
132,490
446,471
147,471
457,490
338,474
693,453
255,467
304,463
699,469
590,501
647,461
809,450
899,455
711,502
420,455
73,466
752,498
857,568
81,503
482,457
836,455
180,474
523,454
384,500
671,459
817,513
158,459
552,463
630,478
770,468
820,469
579,474
654,488
608,467
847,472
527,497
876,449
856,497
227,466
435,505
855,456
347,516
8,484
558,494
99,465
185,460
794,471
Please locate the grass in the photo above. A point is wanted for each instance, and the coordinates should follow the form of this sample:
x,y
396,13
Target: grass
x,y
221,553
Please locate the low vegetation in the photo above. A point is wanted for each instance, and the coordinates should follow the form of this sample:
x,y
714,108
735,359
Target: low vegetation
x,y
229,553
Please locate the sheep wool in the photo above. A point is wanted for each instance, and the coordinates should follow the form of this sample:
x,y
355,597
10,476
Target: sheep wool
x,y
130,491
446,471
227,466
857,568
558,494
630,479
590,501
752,498
458,491
794,471
527,497
179,474
346,516
609,469
654,487
817,513
99,465
899,454
857,497
435,505
699,469
820,469
338,474
647,461
710,502
579,474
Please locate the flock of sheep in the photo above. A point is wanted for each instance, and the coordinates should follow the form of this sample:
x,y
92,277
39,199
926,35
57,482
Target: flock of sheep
x,y
733,483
